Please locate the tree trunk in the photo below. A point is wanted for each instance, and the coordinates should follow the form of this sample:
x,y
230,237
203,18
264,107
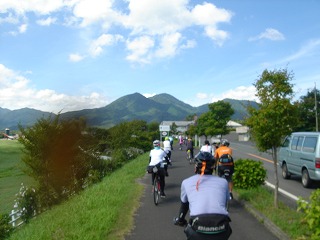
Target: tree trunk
x,y
275,165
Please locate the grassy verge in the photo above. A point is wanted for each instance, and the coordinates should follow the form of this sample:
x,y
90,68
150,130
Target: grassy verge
x,y
287,219
104,211
11,174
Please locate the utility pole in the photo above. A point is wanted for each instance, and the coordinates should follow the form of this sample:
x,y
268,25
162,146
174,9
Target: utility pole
x,y
316,105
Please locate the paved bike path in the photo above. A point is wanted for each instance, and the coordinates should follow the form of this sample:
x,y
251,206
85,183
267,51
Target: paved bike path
x,y
156,222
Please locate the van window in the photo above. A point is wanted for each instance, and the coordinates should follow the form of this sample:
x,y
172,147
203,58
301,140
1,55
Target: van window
x,y
309,144
296,143
286,142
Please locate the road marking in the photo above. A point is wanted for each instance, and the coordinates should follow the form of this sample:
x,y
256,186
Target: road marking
x,y
256,156
294,197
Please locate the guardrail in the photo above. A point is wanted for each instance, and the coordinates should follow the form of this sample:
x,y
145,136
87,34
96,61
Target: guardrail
x,y
16,220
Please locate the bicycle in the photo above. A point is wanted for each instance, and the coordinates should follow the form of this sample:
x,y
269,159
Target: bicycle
x,y
189,158
156,186
226,166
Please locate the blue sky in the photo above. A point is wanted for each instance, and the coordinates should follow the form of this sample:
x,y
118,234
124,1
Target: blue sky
x,y
67,55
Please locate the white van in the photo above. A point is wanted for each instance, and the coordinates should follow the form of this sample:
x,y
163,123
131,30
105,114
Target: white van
x,y
300,155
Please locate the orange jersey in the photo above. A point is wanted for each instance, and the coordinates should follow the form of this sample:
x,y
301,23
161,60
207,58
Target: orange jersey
x,y
222,150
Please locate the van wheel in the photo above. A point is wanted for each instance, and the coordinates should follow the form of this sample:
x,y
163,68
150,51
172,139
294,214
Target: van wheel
x,y
305,179
285,173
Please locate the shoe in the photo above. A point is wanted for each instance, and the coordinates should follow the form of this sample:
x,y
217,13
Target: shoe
x,y
231,195
167,174
162,195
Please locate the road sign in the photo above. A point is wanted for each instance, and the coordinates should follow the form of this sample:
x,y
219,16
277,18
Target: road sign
x,y
164,128
164,133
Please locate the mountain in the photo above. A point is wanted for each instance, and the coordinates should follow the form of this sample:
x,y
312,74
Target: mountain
x,y
136,106
158,108
25,117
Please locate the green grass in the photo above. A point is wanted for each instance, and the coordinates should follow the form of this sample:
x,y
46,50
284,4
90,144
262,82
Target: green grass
x,y
11,174
287,219
104,211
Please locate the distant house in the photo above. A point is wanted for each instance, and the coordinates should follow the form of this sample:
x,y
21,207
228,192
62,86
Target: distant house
x,y
182,126
233,124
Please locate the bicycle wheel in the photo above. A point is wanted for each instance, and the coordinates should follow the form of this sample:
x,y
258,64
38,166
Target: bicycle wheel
x,y
156,190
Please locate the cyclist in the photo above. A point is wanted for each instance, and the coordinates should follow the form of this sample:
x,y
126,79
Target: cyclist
x,y
206,147
206,196
180,142
167,148
171,142
156,157
190,145
225,150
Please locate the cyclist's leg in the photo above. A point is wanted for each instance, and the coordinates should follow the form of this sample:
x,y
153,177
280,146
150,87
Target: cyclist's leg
x,y
152,178
230,184
162,181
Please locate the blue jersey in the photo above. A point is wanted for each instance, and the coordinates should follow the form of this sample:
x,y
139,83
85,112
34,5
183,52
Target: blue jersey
x,y
211,196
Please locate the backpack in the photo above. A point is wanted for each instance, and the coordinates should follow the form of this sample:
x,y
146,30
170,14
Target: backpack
x,y
226,160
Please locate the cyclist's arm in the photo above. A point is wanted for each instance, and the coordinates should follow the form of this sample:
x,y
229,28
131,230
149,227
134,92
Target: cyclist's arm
x,y
184,208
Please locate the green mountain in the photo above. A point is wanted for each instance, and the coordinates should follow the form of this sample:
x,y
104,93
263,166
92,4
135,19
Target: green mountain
x,y
24,116
161,107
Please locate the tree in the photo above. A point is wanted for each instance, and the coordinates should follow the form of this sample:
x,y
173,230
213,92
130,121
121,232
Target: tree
x,y
214,122
132,134
58,155
275,117
191,117
174,128
306,107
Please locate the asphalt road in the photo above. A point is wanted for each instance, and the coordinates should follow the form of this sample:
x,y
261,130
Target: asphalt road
x,y
156,222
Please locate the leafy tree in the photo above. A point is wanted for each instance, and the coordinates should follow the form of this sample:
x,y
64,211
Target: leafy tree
x,y
306,108
192,130
214,122
191,117
276,115
130,134
173,128
59,156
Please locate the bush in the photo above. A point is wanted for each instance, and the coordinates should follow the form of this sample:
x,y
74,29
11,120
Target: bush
x,y
27,203
248,174
312,213
5,227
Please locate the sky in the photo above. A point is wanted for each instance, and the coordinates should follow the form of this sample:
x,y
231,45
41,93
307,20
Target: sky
x,y
67,55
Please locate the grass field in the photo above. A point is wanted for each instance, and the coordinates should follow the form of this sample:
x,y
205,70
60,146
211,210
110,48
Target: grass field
x,y
95,213
11,174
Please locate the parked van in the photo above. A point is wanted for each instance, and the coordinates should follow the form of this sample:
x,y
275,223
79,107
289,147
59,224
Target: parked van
x,y
300,155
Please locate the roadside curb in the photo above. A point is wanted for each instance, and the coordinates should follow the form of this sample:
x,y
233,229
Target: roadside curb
x,y
263,219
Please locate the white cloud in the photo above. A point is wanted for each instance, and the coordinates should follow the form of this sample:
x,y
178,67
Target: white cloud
x,y
189,44
23,28
209,15
16,94
169,45
97,45
148,95
269,33
93,11
39,6
239,93
152,19
75,57
218,36
47,21
308,49
139,48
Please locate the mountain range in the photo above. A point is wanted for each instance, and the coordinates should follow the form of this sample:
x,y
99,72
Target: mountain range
x,y
161,107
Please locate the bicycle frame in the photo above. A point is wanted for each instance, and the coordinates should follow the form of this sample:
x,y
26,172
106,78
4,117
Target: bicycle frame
x,y
156,186
189,156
